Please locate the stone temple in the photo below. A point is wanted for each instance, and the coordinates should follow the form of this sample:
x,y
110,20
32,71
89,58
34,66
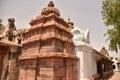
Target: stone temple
x,y
48,51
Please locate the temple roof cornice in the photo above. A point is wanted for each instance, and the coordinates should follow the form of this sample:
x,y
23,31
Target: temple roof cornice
x,y
42,38
40,19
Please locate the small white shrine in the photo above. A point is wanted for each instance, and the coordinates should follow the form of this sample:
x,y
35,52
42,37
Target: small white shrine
x,y
92,63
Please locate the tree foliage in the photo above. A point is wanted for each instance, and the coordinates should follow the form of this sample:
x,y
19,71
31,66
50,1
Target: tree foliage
x,y
111,17
1,24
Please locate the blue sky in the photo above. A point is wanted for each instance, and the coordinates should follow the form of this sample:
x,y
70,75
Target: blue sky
x,y
86,14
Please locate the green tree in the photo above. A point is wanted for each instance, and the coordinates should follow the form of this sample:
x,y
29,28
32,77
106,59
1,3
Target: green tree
x,y
111,17
1,24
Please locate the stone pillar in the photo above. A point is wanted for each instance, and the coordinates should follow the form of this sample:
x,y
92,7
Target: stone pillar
x,y
72,69
1,64
45,69
28,68
5,75
14,63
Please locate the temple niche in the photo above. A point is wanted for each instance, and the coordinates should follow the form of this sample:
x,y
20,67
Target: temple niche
x,y
48,50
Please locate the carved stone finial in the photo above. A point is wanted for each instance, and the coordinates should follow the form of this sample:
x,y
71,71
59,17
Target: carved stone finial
x,y
50,10
104,52
51,4
11,20
68,19
69,22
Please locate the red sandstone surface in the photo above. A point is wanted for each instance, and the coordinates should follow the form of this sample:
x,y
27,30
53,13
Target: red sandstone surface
x,y
48,50
115,76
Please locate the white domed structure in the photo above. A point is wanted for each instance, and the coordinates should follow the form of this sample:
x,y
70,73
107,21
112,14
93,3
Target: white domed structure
x,y
80,37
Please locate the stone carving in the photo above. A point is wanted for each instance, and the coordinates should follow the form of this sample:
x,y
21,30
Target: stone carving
x,y
18,35
11,36
10,33
10,28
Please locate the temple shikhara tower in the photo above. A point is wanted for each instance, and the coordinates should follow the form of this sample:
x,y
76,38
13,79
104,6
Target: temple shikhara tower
x,y
48,50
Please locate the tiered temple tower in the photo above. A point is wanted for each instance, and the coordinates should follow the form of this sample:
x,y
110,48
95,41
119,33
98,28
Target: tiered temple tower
x,y
48,50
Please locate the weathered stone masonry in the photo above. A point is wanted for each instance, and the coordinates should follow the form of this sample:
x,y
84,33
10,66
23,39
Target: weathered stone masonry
x,y
10,49
48,50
